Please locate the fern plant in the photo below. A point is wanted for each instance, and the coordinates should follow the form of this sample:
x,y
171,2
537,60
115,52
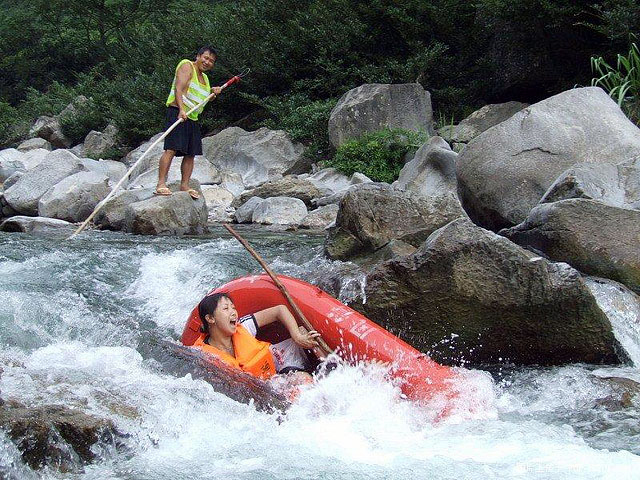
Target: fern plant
x,y
622,82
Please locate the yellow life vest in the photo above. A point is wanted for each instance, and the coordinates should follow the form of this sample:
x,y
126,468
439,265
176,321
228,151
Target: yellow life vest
x,y
196,91
251,355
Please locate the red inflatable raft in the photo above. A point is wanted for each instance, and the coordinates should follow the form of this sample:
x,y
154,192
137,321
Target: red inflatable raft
x,y
350,334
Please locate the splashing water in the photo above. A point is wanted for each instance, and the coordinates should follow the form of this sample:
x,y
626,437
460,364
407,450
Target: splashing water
x,y
75,315
622,307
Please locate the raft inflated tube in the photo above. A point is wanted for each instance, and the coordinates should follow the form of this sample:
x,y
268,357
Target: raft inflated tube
x,y
353,336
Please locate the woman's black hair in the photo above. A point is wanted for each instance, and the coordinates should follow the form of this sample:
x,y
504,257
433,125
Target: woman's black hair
x,y
207,306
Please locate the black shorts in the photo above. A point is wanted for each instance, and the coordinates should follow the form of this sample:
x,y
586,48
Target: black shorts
x,y
185,139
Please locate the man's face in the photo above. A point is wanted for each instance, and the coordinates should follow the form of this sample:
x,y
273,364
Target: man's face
x,y
206,60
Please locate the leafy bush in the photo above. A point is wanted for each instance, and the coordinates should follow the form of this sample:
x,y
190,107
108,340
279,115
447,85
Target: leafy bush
x,y
12,126
622,82
379,155
304,120
86,117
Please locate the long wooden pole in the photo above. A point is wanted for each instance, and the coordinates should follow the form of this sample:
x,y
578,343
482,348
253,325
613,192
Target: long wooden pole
x,y
321,343
126,175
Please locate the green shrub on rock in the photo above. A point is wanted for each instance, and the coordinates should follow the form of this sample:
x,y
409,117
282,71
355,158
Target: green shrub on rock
x,y
622,82
379,155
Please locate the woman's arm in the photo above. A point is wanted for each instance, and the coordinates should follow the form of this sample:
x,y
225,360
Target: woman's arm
x,y
284,316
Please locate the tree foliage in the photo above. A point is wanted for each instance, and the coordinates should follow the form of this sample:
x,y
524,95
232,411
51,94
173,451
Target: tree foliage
x,y
303,55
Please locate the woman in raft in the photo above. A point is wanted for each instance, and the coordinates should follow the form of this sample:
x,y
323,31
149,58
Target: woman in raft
x,y
232,339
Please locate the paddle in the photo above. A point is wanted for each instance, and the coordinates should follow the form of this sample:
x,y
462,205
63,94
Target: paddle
x,y
229,82
322,345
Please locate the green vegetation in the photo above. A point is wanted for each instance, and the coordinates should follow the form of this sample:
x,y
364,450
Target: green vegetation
x,y
305,121
379,155
303,56
622,81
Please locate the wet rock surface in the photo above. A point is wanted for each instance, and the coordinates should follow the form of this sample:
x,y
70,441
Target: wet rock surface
x,y
371,215
57,437
36,225
491,300
593,237
289,186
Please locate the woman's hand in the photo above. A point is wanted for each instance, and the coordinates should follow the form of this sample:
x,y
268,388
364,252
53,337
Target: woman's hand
x,y
306,339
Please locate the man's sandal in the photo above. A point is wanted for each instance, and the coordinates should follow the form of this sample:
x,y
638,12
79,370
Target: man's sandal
x,y
162,191
194,194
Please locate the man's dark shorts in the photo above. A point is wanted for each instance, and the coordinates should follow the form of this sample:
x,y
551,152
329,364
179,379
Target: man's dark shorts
x,y
185,139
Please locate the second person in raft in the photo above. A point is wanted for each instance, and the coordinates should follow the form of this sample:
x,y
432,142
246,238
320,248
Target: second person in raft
x,y
190,87
232,339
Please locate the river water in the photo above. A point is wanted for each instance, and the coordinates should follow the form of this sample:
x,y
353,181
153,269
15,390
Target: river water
x,y
74,315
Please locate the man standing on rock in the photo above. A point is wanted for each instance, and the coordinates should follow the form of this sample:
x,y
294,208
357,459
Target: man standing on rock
x,y
190,87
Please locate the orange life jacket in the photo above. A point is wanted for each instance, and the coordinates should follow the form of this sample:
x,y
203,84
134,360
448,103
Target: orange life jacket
x,y
252,355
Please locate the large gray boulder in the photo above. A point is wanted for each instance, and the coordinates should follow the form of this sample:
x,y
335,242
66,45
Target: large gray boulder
x,y
232,181
279,211
112,215
203,171
320,218
289,186
328,180
48,128
100,144
34,144
258,156
218,200
5,209
470,295
336,197
431,172
36,225
373,214
480,121
244,213
35,157
372,107
24,195
74,198
110,168
595,238
505,171
152,157
615,185
177,214
11,161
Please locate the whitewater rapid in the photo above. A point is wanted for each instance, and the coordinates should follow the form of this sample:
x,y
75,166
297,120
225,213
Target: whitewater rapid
x,y
74,317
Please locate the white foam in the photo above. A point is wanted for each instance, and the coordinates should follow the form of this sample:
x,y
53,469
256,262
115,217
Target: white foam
x,y
170,285
622,307
353,422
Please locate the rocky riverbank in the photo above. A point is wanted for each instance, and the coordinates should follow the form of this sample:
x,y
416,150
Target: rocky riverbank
x,y
490,245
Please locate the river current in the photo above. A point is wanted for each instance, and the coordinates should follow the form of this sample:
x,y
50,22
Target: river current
x,y
74,316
